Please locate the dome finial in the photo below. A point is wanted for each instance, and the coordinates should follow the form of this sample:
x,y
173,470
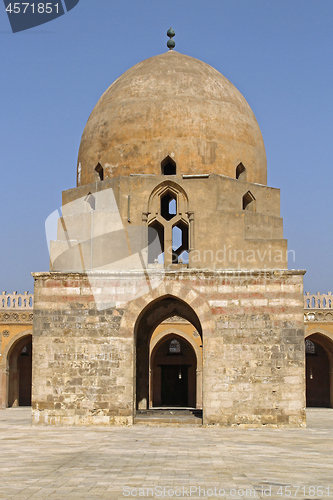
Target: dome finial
x,y
171,43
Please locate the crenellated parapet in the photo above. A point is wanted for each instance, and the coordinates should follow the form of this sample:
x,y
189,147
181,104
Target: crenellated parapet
x,y
318,307
318,300
16,300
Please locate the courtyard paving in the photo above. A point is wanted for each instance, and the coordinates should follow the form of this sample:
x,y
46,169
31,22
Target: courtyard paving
x,y
164,462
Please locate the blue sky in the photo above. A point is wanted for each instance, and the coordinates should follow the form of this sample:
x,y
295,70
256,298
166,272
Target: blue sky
x,y
277,53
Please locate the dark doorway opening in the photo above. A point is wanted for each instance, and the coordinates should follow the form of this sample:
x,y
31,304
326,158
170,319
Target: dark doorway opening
x,y
25,374
20,373
317,375
173,373
174,385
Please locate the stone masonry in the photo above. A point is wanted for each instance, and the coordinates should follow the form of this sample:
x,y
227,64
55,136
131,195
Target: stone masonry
x,y
253,344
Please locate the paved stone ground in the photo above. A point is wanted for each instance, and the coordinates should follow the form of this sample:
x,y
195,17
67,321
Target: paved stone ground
x,y
98,463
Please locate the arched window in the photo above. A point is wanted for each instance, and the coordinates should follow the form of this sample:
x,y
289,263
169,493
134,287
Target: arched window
x,y
249,202
180,243
155,243
168,166
241,172
168,221
168,206
100,171
90,198
310,347
175,347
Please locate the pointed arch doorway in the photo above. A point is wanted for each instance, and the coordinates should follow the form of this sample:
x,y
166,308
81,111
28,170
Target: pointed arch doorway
x,y
19,369
168,373
319,371
175,367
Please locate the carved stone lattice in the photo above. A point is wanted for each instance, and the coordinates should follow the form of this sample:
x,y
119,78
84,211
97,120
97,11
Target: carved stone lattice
x,y
318,315
16,317
5,333
310,347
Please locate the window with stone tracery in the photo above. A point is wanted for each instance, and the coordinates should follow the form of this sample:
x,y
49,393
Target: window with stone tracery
x,y
168,227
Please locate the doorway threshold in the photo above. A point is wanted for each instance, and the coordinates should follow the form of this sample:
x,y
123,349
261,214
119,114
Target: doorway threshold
x,y
169,416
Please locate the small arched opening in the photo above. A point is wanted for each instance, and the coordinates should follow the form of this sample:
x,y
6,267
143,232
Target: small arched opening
x,y
168,205
168,166
180,243
91,200
100,172
155,243
19,372
241,172
249,202
319,374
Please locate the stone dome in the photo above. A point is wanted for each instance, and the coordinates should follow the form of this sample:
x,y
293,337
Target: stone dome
x,y
172,105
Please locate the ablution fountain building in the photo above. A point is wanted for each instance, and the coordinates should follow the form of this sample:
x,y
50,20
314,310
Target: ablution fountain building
x,y
168,285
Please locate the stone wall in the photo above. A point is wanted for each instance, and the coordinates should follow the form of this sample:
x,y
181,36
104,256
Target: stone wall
x,y
106,222
82,368
253,345
254,361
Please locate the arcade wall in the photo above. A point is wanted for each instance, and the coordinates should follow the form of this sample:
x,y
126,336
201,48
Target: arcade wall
x,y
16,316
